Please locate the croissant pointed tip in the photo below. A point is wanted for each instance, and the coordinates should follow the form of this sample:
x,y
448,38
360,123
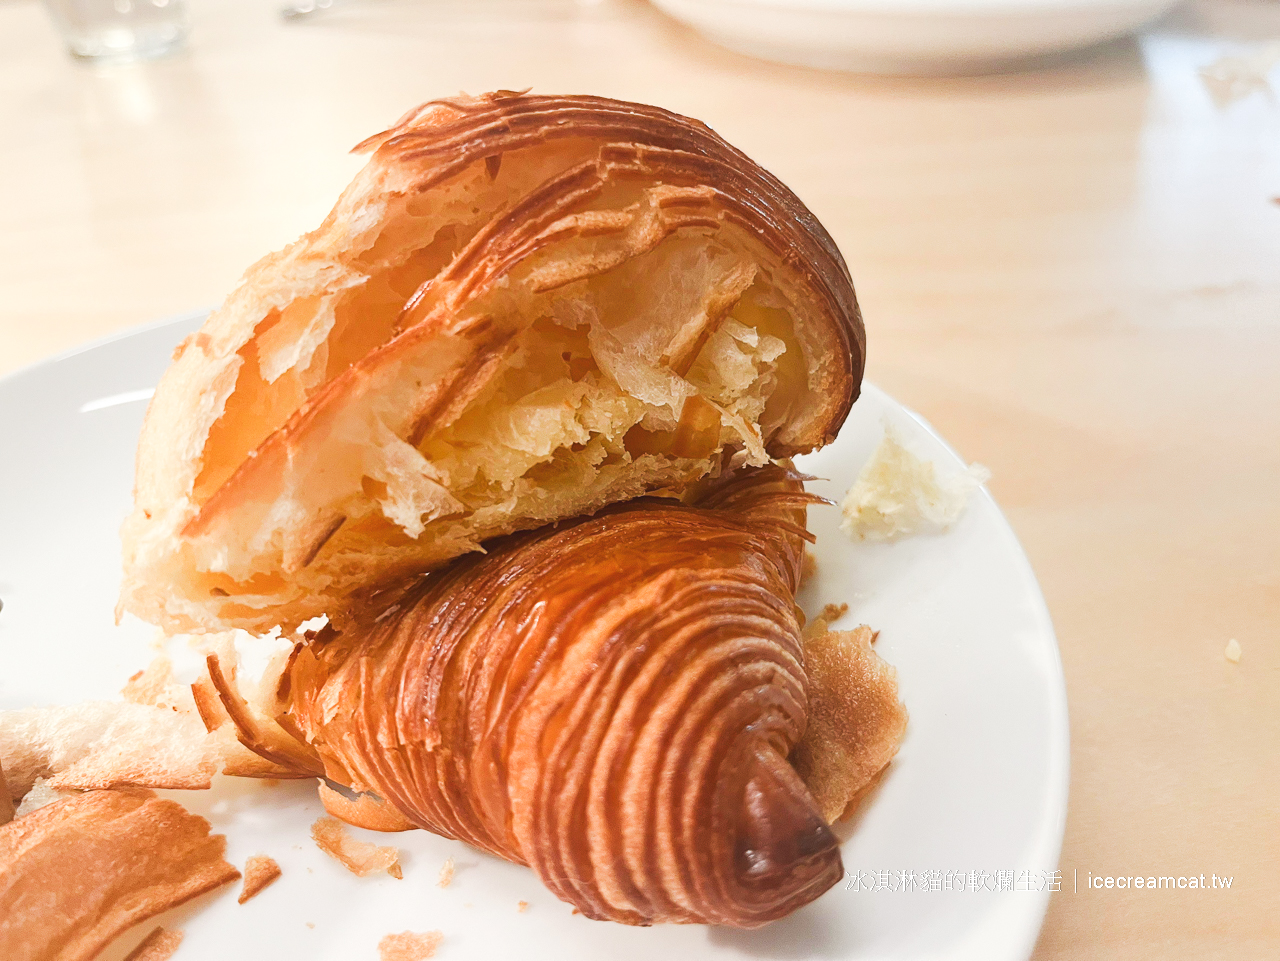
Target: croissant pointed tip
x,y
784,845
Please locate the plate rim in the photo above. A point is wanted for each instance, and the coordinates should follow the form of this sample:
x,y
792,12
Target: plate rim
x,y
105,340
1059,781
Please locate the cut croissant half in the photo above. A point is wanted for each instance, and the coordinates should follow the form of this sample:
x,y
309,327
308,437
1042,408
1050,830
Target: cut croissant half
x,y
612,701
523,309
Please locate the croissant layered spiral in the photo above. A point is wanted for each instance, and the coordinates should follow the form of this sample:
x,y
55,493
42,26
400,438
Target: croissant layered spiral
x,y
525,308
611,702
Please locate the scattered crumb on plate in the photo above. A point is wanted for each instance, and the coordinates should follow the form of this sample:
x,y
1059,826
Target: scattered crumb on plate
x,y
1233,652
159,945
358,857
522,906
409,946
259,871
446,873
898,494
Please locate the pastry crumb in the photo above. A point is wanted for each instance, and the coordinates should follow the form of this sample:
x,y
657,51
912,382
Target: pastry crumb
x,y
522,906
898,494
358,857
821,623
833,612
259,871
1233,652
159,945
446,873
409,946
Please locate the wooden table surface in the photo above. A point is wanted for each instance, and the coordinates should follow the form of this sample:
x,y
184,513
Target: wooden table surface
x,y
1073,272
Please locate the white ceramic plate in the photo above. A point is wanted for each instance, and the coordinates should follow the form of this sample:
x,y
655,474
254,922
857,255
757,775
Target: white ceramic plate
x,y
911,36
979,788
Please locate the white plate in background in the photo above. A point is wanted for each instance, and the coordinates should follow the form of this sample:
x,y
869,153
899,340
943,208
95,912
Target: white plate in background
x,y
911,36
979,789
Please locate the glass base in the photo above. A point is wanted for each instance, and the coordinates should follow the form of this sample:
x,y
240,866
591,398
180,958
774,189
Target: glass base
x,y
127,44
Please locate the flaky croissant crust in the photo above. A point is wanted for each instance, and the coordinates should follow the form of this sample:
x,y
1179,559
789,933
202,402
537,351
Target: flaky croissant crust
x,y
382,395
612,702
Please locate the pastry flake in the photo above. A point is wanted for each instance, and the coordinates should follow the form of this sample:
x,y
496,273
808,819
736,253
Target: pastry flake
x,y
77,873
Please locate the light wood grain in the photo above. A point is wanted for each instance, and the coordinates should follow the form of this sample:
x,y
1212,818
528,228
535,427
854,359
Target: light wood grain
x,y
1073,272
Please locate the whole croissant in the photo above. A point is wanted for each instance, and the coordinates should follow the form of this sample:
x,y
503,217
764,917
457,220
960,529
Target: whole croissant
x,y
611,701
523,309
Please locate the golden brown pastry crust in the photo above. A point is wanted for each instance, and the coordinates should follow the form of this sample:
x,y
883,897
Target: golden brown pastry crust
x,y
611,701
305,442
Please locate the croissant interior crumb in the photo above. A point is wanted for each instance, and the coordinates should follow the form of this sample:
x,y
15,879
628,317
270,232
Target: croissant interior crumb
x,y
576,397
898,494
639,363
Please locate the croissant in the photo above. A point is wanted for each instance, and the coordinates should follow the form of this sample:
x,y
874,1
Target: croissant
x,y
523,309
611,701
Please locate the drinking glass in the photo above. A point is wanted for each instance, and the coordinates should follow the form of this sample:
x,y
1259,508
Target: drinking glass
x,y
120,30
